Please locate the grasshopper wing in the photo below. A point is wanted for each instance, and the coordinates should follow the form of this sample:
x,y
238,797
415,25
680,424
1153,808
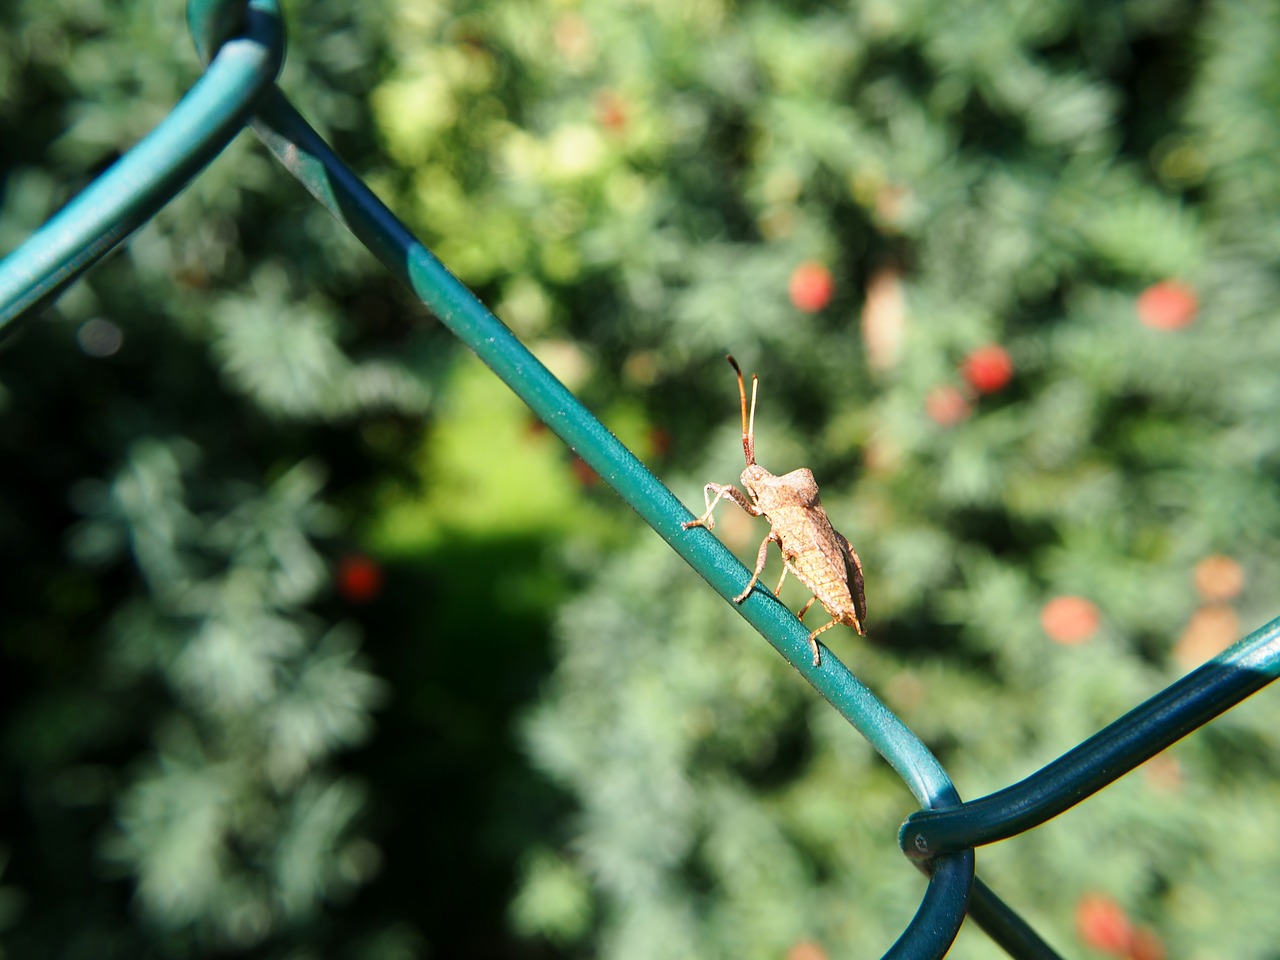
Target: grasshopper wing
x,y
855,581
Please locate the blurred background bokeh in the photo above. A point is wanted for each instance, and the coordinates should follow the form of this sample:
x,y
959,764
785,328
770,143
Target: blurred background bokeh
x,y
313,643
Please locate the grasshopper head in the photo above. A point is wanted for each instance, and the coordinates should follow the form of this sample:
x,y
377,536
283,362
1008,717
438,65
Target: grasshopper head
x,y
795,489
757,480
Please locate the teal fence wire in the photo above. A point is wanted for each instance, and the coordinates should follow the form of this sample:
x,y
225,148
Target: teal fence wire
x,y
244,49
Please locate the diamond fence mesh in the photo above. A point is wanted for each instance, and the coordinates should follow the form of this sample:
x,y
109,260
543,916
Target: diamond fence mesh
x,y
244,47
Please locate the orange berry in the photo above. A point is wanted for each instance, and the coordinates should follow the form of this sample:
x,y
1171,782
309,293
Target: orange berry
x,y
1219,578
1167,305
806,950
1163,773
1211,629
611,110
1103,925
946,406
1069,620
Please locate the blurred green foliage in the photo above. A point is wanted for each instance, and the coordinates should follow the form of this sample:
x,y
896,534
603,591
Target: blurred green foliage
x,y
552,740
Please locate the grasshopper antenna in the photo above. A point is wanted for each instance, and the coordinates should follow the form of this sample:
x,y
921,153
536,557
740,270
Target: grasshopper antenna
x,y
748,425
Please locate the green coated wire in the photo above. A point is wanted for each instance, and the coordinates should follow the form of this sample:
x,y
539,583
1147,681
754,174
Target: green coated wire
x,y
1136,737
1013,934
154,171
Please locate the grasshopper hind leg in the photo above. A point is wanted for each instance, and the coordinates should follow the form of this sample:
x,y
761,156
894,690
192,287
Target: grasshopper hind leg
x,y
813,641
805,608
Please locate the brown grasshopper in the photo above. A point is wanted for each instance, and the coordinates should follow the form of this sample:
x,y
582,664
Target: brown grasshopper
x,y
814,551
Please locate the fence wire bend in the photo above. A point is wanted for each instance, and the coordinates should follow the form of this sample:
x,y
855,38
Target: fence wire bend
x,y
243,44
154,171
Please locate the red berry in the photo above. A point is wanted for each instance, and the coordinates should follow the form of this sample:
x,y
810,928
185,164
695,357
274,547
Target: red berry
x,y
811,287
1103,925
988,369
1069,620
359,578
1167,305
946,406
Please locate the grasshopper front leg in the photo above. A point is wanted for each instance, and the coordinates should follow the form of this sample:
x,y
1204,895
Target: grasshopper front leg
x,y
721,491
760,560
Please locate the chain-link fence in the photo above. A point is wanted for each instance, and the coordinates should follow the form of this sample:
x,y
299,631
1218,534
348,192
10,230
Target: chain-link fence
x,y
244,46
